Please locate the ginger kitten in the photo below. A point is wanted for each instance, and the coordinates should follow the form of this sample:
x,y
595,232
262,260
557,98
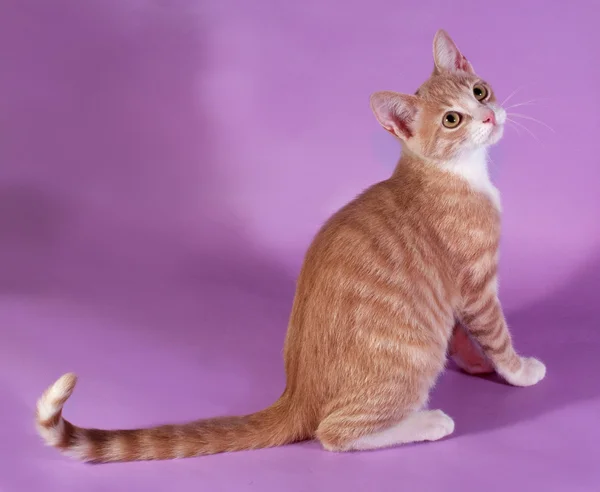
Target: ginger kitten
x,y
395,280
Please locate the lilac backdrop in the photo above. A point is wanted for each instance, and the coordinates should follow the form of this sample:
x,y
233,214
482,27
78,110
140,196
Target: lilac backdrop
x,y
164,165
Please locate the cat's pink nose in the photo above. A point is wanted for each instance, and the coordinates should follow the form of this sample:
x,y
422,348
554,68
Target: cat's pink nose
x,y
490,117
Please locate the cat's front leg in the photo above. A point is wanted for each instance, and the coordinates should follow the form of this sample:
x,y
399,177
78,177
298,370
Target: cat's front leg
x,y
466,354
482,316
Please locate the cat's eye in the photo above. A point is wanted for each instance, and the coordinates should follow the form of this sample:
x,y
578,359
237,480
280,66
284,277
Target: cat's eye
x,y
480,92
452,119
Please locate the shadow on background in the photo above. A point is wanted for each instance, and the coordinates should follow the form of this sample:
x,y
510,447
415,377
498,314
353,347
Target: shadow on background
x,y
114,199
561,330
111,169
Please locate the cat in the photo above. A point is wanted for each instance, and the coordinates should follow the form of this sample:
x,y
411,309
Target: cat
x,y
401,276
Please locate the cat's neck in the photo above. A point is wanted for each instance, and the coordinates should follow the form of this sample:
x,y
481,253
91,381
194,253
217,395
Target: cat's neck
x,y
470,167
473,168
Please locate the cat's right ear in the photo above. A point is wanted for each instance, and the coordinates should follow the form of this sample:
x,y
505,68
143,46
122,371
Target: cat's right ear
x,y
397,113
446,55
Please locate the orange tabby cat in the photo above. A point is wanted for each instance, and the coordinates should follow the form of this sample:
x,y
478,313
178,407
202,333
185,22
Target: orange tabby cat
x,y
401,274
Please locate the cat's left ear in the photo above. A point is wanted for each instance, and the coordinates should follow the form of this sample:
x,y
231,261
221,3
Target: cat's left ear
x,y
397,113
446,55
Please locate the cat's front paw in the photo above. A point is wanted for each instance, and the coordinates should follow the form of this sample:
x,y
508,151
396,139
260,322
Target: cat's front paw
x,y
531,372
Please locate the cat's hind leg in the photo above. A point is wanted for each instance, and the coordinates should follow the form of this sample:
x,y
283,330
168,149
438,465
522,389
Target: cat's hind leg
x,y
384,414
339,432
381,403
467,354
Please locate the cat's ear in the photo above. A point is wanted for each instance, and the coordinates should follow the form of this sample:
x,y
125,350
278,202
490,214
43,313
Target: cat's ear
x,y
396,112
446,55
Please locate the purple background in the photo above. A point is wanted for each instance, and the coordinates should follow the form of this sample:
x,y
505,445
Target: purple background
x,y
164,164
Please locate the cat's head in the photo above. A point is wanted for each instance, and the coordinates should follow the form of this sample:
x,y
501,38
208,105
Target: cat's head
x,y
453,113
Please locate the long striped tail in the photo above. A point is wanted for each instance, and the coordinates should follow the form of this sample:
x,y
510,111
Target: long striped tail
x,y
274,426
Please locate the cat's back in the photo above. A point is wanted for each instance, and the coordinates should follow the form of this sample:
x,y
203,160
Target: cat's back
x,y
387,207
373,228
419,211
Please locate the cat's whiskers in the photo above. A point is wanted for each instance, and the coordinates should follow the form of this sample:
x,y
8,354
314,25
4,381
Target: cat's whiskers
x,y
524,128
531,118
511,95
525,103
516,129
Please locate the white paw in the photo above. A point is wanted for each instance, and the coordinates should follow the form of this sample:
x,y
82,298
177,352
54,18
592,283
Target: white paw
x,y
437,425
532,372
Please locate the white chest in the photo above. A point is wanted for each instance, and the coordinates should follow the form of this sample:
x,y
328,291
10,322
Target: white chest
x,y
474,169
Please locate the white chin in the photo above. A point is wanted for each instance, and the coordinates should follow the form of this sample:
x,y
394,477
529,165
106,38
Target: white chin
x,y
495,135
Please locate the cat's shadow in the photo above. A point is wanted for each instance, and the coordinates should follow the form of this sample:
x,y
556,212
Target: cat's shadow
x,y
562,331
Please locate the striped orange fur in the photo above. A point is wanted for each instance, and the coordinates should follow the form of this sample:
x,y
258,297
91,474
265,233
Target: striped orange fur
x,y
393,282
